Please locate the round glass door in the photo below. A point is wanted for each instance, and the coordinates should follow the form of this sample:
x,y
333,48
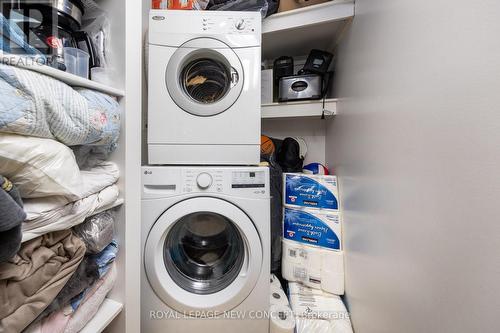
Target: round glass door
x,y
204,77
206,80
204,252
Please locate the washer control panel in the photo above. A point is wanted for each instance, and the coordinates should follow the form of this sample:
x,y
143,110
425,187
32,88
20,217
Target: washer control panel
x,y
243,182
229,181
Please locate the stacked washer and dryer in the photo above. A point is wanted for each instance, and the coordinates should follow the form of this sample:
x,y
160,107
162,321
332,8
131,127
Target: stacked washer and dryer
x,y
205,202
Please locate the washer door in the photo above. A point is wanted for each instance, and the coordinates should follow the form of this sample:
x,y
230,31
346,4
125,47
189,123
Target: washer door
x,y
204,77
203,254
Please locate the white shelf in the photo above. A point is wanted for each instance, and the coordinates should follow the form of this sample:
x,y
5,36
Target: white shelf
x,y
108,311
69,79
118,202
299,109
296,32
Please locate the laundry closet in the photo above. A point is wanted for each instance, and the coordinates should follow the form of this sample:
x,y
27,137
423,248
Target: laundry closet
x,y
409,125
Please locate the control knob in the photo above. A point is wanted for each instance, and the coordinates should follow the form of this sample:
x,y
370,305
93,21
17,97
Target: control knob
x,y
240,24
204,180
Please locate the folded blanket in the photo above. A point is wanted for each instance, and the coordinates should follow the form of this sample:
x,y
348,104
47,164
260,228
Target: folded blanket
x,y
11,217
85,275
44,167
66,320
34,104
40,220
34,277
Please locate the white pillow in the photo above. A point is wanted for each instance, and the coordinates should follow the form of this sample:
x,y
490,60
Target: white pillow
x,y
39,167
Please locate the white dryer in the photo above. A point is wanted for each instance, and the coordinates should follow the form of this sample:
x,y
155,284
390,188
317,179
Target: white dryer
x,y
206,249
204,87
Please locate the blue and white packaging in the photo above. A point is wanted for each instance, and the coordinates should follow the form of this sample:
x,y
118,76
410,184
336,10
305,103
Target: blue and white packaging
x,y
313,227
312,191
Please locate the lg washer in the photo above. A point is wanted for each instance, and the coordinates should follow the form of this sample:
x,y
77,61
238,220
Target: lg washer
x,y
206,249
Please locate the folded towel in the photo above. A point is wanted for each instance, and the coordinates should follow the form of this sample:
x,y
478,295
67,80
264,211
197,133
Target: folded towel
x,y
34,277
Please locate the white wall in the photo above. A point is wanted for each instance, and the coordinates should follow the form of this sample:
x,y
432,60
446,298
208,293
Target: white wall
x,y
417,147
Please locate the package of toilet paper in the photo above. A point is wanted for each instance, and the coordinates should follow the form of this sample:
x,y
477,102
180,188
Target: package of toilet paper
x,y
313,266
313,227
313,191
318,311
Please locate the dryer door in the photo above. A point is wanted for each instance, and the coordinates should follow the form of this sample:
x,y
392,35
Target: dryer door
x,y
204,77
203,254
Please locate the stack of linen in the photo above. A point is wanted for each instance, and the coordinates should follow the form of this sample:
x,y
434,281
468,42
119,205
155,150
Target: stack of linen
x,y
54,174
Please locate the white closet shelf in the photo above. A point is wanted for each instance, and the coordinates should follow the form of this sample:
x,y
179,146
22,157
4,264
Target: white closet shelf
x,y
69,79
299,109
118,202
108,311
296,32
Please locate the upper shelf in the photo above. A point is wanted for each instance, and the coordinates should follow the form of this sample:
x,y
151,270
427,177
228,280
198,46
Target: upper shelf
x,y
296,32
69,79
299,109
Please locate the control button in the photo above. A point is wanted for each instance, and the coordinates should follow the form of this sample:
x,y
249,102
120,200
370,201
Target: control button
x,y
240,24
204,180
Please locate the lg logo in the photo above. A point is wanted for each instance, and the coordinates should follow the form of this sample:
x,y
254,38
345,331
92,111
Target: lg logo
x,y
148,172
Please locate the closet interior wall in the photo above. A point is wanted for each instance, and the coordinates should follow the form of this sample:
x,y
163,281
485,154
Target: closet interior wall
x,y
415,145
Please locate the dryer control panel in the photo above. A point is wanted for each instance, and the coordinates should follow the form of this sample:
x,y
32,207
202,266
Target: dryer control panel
x,y
175,27
228,24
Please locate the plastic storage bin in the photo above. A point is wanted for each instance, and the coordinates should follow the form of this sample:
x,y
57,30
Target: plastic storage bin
x,y
76,61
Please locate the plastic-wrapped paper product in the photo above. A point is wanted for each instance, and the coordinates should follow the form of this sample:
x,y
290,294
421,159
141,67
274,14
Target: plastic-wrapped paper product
x,y
97,231
200,4
313,266
310,191
240,5
317,311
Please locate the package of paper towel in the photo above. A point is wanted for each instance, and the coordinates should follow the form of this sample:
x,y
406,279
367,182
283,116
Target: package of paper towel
x,y
313,227
317,311
312,191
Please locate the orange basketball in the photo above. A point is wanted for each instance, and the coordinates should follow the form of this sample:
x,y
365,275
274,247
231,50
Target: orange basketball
x,y
266,145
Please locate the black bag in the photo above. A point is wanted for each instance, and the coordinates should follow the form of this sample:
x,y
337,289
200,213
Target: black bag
x,y
289,157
